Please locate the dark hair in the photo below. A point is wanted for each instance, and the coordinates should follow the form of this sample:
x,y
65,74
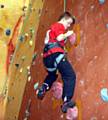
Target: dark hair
x,y
67,15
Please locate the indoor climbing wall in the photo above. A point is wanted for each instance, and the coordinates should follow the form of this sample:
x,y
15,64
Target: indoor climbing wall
x,y
89,60
32,108
22,57
10,23
7,32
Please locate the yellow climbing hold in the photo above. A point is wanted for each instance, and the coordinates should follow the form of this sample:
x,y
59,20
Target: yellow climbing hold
x,y
30,43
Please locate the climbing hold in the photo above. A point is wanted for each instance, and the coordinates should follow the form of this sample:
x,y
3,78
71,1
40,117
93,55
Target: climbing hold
x,y
72,39
92,7
33,9
8,32
28,67
42,54
104,94
39,12
33,63
29,78
10,98
107,25
17,65
23,58
93,118
26,35
30,43
62,116
101,1
24,8
1,6
21,70
32,30
57,90
34,56
21,38
28,72
36,85
72,113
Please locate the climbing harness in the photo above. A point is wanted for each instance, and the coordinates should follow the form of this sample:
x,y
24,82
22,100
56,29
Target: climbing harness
x,y
52,45
47,52
57,61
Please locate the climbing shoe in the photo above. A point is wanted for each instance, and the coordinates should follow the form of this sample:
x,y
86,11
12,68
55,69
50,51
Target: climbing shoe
x,y
66,105
41,91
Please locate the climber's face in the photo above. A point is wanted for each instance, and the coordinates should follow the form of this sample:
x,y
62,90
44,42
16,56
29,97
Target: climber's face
x,y
67,22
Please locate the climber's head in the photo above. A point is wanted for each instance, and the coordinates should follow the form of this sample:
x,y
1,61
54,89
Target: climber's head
x,y
67,19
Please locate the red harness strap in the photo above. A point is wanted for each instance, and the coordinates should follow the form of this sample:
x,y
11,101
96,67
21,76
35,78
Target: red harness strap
x,y
53,50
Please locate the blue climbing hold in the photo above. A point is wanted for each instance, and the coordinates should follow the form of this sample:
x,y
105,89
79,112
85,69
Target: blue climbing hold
x,y
107,25
8,32
21,38
101,1
104,94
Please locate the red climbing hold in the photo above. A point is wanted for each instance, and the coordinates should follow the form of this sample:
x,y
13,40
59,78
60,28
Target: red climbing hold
x,y
72,38
72,113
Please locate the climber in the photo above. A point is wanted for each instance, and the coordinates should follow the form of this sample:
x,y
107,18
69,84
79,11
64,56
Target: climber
x,y
54,59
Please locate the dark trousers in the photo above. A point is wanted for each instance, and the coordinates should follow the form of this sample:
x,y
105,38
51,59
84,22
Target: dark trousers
x,y
67,73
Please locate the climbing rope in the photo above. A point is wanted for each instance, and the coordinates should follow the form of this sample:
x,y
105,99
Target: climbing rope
x,y
65,1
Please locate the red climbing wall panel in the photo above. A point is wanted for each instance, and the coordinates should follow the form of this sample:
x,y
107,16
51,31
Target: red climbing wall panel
x,y
90,60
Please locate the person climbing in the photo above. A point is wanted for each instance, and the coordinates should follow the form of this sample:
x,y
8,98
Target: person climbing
x,y
54,59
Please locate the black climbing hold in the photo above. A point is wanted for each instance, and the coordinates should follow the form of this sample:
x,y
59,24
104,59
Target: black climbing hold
x,y
1,6
8,32
17,65
24,8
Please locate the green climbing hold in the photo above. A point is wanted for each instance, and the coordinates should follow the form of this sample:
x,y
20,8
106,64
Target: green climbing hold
x,y
36,85
34,56
32,30
21,38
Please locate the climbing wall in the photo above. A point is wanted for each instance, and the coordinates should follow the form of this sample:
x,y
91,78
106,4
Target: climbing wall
x,y
8,32
89,60
31,107
21,61
10,23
